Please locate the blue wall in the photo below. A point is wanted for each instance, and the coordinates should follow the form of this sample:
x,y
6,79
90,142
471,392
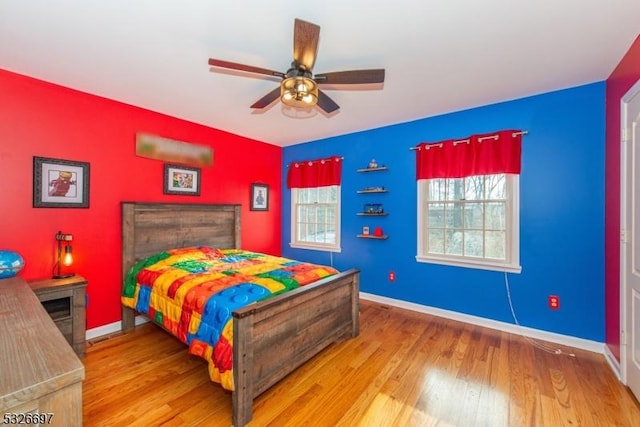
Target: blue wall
x,y
561,213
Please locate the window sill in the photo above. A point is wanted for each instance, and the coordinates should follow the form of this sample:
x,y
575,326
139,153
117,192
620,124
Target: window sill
x,y
470,264
315,247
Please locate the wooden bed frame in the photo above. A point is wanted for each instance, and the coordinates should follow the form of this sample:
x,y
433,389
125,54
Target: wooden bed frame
x,y
271,338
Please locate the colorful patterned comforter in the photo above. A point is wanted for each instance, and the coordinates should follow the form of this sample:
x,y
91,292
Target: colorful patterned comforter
x,y
192,293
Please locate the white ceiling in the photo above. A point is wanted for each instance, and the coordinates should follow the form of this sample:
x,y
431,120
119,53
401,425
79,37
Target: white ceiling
x,y
440,55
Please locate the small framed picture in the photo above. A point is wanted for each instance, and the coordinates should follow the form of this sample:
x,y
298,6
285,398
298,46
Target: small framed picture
x,y
60,183
181,180
259,197
365,230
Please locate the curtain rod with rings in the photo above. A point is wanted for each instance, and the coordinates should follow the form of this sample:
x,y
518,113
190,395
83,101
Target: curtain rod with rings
x,y
316,160
463,141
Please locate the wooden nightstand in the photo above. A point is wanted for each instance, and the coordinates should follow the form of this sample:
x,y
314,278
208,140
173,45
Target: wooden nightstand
x,y
64,300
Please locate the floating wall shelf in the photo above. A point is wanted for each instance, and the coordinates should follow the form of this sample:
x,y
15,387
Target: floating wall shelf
x,y
380,168
365,191
372,236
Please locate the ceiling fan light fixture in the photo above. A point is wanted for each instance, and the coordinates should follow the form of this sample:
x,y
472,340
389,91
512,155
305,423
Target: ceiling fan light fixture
x,y
299,92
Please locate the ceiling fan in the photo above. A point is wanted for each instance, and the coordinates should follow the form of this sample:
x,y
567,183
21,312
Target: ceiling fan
x,y
299,87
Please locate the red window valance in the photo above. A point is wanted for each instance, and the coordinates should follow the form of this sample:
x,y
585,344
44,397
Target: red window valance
x,y
486,154
315,173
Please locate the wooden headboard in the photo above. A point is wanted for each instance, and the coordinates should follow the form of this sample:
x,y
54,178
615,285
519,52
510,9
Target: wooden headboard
x,y
148,228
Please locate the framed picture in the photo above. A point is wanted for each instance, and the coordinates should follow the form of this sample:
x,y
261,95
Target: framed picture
x,y
60,183
181,180
259,197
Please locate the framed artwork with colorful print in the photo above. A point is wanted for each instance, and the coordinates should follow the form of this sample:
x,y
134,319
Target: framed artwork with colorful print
x,y
59,183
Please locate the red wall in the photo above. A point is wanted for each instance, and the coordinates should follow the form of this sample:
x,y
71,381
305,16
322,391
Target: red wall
x,y
621,80
42,119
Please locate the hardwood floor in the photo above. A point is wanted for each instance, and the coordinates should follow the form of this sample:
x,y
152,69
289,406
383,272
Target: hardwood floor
x,y
405,369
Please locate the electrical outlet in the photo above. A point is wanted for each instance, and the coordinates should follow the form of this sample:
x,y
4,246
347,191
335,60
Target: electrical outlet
x,y
554,302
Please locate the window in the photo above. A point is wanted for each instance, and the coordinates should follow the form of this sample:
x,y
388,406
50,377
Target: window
x,y
470,222
315,218
315,203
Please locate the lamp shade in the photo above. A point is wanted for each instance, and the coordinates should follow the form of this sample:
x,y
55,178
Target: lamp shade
x,y
65,257
68,257
299,92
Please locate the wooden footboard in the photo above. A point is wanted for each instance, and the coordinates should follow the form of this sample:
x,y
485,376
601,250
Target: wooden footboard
x,y
271,339
274,337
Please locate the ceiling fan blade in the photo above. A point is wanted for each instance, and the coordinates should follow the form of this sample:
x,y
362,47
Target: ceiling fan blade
x,y
267,99
248,68
305,43
351,77
326,103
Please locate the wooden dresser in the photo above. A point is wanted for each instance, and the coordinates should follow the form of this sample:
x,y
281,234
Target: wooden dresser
x,y
40,372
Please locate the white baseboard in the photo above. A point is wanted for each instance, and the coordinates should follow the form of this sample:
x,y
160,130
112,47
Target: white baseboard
x,y
112,328
538,334
566,340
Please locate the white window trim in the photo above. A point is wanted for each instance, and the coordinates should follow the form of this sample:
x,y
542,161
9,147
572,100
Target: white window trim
x,y
468,264
316,246
312,247
513,244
